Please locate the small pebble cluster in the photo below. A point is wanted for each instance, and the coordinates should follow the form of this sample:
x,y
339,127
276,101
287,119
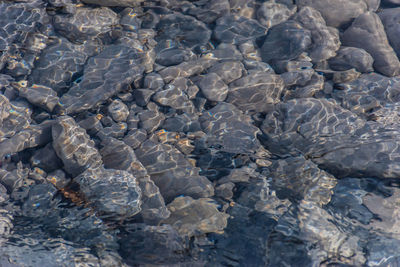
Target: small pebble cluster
x,y
199,133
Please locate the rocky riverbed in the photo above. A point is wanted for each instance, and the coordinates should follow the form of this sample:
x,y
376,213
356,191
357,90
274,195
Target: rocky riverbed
x,y
199,133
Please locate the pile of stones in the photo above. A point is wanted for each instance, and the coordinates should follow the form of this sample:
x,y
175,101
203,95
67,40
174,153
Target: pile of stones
x,y
199,133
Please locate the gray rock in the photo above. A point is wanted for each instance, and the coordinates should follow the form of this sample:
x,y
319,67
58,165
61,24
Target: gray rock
x,y
130,3
85,23
41,96
229,129
369,27
351,57
256,92
390,20
236,29
173,56
114,194
46,159
153,81
172,172
174,96
228,71
135,137
325,40
74,147
208,12
337,13
285,41
213,87
192,217
119,64
118,110
226,52
271,13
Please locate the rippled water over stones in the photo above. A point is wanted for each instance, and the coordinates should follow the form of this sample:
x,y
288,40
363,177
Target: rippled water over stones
x,y
199,133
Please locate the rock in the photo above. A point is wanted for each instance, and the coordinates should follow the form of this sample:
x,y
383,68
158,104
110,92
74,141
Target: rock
x,y
114,194
119,64
228,71
213,87
368,27
183,29
389,18
46,159
118,110
208,12
229,129
256,92
74,147
351,57
285,41
325,40
172,172
41,96
173,56
192,217
236,29
173,96
80,25
338,13
130,3
271,13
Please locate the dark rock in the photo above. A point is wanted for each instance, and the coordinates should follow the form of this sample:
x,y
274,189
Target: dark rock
x,y
213,87
226,52
183,29
172,172
190,217
85,23
74,147
135,137
150,120
228,71
208,12
351,57
153,81
338,13
113,193
174,97
286,41
229,129
325,40
173,56
41,96
46,159
368,27
256,92
271,13
91,124
119,64
182,123
130,3
236,29
118,110
390,18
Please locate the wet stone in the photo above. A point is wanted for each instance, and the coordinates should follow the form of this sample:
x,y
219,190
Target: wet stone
x,y
338,13
255,92
213,87
113,193
172,172
174,97
236,29
229,129
130,3
153,81
46,158
73,146
81,26
119,64
226,52
325,40
41,96
135,137
91,124
192,217
351,57
286,41
173,56
183,29
228,71
271,13
367,27
118,110
389,18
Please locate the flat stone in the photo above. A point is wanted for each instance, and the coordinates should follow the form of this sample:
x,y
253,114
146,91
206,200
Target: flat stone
x,y
213,87
351,57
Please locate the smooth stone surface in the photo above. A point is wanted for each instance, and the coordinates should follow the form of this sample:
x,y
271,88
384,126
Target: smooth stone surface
x,y
369,27
351,57
213,87
390,19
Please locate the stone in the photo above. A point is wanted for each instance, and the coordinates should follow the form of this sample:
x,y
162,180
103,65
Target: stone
x,y
228,71
237,29
118,63
368,27
351,57
256,92
114,194
213,87
118,110
74,147
192,217
271,13
129,3
389,18
285,41
338,13
41,96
